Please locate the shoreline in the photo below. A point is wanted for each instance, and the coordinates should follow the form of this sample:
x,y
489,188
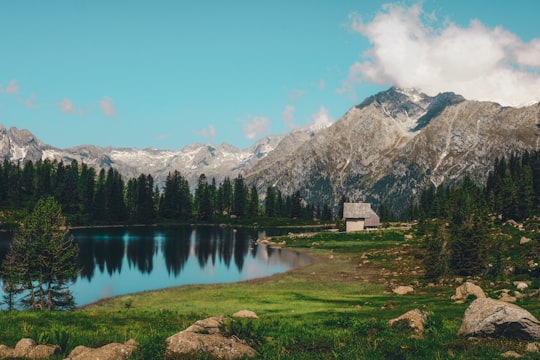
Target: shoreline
x,y
314,260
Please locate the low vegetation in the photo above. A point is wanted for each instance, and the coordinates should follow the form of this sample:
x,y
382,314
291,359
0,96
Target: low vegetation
x,y
337,307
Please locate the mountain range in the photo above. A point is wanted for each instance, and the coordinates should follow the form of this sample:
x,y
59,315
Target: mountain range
x,y
386,149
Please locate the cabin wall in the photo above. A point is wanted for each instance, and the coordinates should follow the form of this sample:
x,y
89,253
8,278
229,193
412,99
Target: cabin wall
x,y
355,225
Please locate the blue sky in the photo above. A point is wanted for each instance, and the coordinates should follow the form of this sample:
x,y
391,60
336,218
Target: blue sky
x,y
165,74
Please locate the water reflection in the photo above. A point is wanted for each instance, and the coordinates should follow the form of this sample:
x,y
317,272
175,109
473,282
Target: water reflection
x,y
116,261
104,249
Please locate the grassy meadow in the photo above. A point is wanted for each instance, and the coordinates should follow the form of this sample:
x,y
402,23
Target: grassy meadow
x,y
336,308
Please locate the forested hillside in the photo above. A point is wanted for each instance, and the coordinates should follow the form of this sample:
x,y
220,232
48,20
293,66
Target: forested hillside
x,y
512,191
89,198
462,224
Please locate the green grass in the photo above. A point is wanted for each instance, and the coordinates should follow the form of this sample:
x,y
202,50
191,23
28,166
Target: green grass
x,y
336,308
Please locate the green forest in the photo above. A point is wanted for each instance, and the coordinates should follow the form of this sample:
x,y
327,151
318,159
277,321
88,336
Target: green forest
x,y
91,198
462,225
512,191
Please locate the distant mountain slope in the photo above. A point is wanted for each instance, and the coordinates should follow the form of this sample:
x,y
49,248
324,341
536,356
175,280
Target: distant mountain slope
x,y
386,149
193,160
394,143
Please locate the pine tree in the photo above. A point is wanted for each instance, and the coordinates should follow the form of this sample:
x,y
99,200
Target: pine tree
x,y
87,184
253,206
203,200
114,196
270,202
225,195
100,198
296,205
326,214
46,258
176,201
437,252
240,197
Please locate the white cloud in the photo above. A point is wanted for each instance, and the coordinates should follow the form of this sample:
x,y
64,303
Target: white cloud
x,y
163,137
13,87
320,120
107,106
296,93
257,126
289,117
209,132
66,106
30,102
480,63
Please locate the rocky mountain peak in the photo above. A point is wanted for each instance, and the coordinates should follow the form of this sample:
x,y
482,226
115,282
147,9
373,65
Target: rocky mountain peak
x,y
386,149
394,143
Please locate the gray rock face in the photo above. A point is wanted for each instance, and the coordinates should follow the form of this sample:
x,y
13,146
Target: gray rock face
x,y
493,318
204,338
395,143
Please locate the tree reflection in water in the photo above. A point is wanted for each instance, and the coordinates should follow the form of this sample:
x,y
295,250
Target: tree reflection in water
x,y
120,260
104,249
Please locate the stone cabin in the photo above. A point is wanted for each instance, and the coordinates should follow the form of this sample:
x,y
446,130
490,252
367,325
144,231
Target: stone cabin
x,y
359,216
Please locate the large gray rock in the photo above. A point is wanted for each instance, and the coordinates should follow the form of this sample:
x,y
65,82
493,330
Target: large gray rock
x,y
487,317
112,351
205,337
28,349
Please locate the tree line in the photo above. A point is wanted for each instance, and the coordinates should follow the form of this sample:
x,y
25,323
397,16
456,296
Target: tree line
x,y
457,222
512,191
90,197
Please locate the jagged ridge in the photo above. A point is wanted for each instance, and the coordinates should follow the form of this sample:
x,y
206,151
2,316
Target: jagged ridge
x,y
386,149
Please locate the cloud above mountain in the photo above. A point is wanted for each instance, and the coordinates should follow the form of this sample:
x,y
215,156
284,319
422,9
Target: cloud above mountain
x,y
414,49
209,132
256,126
320,119
66,106
107,106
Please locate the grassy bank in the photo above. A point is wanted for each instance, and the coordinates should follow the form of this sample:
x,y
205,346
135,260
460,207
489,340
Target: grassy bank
x,y
336,308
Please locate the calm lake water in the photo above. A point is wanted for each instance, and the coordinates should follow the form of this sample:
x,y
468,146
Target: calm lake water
x,y
122,260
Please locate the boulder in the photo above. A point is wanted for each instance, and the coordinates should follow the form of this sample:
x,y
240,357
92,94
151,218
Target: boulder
x,y
524,240
487,317
414,319
506,297
204,337
532,347
511,354
403,290
112,351
521,285
466,289
28,349
245,314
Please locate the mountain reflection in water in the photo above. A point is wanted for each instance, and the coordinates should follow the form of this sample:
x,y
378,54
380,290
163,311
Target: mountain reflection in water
x,y
116,261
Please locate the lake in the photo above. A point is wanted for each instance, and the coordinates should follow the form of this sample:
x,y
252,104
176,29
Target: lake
x,y
122,260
